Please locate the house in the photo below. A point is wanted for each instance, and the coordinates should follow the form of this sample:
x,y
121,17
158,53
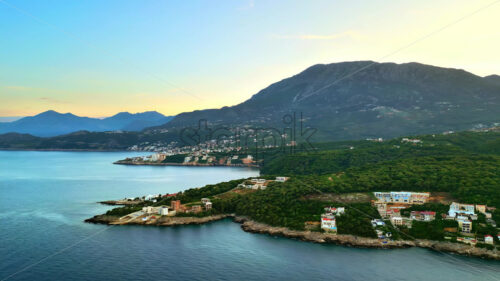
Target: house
x,y
208,206
334,210
481,208
328,223
248,160
163,211
397,221
488,239
465,226
411,140
423,215
150,210
205,200
281,179
196,209
462,209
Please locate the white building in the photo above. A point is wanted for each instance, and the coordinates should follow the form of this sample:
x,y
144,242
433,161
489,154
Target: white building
x,y
334,210
404,197
282,179
163,211
462,209
488,239
328,223
208,206
149,210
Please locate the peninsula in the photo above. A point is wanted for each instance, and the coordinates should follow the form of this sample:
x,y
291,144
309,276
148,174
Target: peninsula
x,y
432,191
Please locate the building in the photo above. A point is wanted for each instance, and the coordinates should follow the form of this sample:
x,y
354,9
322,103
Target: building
x,y
488,239
334,210
423,215
465,226
411,140
149,210
196,209
175,205
205,200
397,221
208,206
460,209
248,160
481,208
328,223
402,197
281,179
163,211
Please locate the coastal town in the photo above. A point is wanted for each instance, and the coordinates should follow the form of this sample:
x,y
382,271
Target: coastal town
x,y
398,211
203,157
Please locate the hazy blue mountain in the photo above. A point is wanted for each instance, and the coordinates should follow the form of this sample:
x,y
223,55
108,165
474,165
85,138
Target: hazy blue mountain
x,y
356,100
51,123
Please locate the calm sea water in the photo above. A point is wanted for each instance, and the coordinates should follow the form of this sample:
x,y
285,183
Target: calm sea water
x,y
45,196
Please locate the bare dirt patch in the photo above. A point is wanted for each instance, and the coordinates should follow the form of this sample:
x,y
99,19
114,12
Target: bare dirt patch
x,y
356,197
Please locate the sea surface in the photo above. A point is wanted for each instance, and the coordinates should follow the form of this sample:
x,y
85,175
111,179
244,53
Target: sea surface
x,y
45,196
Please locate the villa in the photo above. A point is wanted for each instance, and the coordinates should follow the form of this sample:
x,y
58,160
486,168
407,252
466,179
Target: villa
x,y
328,223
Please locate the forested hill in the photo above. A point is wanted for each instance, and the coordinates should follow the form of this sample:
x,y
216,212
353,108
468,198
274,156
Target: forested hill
x,y
382,100
338,156
465,164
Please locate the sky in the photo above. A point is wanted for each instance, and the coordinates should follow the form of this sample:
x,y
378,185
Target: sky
x,y
97,58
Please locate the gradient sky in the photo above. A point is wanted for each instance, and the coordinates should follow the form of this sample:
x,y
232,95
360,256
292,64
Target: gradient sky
x,y
97,58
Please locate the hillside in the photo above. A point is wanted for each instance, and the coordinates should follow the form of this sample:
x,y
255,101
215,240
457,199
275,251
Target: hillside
x,y
384,100
51,123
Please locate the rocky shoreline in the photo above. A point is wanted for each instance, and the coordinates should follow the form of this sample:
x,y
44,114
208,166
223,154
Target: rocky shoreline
x,y
362,242
251,226
163,221
120,202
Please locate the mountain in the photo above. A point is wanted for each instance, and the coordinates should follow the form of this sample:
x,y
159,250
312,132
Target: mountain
x,y
363,99
493,79
52,123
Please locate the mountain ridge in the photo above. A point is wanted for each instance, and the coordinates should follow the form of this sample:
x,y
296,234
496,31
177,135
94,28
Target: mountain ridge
x,y
52,123
361,99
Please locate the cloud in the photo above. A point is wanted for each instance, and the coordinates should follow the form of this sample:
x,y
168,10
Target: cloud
x,y
346,34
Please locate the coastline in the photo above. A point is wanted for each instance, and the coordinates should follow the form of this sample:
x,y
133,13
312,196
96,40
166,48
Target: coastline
x,y
63,149
122,162
252,226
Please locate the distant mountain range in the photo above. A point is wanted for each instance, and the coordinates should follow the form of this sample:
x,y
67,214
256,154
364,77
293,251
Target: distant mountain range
x,y
52,123
362,99
343,101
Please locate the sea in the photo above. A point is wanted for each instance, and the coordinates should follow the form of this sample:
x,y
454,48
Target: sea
x,y
45,197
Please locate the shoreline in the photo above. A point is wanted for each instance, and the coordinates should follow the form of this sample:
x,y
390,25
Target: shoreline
x,y
122,162
252,226
64,149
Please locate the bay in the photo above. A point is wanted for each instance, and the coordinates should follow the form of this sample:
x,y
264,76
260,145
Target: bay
x,y
45,196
